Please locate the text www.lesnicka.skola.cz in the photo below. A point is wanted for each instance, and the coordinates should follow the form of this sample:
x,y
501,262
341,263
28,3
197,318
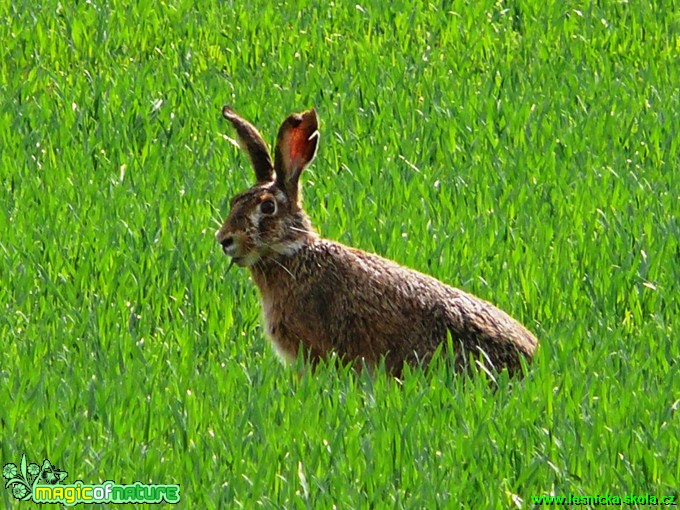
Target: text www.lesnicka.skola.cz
x,y
607,499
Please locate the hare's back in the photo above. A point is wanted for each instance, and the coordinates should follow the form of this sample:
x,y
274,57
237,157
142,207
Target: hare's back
x,y
400,310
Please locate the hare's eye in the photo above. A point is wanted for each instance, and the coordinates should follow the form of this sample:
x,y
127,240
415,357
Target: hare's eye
x,y
268,207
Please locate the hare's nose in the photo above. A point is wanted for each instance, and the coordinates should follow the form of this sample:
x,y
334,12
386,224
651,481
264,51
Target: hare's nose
x,y
227,241
228,245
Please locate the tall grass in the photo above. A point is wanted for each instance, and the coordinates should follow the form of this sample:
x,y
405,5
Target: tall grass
x,y
525,151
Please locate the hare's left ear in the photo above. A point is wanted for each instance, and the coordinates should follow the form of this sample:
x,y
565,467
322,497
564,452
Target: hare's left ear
x,y
296,146
251,140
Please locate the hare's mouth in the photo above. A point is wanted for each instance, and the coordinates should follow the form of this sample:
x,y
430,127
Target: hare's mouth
x,y
234,261
244,261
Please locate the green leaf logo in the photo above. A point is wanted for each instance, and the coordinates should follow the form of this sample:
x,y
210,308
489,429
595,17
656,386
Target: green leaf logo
x,y
23,478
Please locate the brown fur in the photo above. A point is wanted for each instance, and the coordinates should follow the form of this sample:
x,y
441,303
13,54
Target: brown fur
x,y
326,298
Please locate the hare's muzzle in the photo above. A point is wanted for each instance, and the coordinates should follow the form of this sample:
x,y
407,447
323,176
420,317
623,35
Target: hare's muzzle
x,y
233,248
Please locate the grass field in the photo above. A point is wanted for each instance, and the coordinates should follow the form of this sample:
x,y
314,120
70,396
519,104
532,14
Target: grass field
x,y
525,151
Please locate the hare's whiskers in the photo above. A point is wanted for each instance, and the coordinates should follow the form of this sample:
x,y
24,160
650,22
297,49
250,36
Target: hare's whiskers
x,y
283,267
259,265
301,230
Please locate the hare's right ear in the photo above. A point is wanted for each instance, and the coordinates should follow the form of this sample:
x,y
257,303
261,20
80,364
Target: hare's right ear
x,y
251,141
296,146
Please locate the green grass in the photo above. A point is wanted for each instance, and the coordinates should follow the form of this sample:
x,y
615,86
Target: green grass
x,y
524,151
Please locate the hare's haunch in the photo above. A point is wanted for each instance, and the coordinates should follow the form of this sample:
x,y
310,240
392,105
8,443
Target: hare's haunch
x,y
326,298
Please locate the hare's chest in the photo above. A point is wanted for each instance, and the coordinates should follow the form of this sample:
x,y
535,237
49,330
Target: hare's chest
x,y
275,326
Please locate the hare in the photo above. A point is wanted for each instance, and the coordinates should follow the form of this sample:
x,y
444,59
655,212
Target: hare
x,y
323,297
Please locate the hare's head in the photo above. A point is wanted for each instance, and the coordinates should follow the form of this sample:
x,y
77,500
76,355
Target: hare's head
x,y
268,219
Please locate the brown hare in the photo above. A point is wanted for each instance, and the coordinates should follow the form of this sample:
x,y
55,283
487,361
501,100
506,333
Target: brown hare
x,y
323,297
